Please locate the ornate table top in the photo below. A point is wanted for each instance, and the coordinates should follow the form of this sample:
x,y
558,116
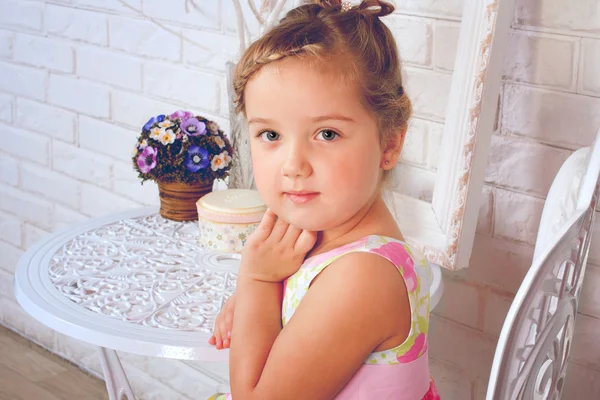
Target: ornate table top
x,y
132,281
135,282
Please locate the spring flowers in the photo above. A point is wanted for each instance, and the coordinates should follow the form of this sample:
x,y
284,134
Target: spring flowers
x,y
152,121
221,161
182,147
197,158
167,137
183,115
213,127
147,159
220,142
193,127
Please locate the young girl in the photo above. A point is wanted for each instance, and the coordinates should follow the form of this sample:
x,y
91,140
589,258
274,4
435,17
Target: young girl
x,y
330,301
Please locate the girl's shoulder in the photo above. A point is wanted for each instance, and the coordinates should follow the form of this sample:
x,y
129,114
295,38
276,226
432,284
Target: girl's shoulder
x,y
396,251
409,261
365,263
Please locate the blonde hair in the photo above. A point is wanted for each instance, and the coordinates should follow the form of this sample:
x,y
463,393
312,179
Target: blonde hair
x,y
324,31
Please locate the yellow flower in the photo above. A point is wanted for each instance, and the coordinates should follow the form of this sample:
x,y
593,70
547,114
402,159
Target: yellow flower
x,y
167,137
165,124
213,127
155,133
220,142
221,161
217,163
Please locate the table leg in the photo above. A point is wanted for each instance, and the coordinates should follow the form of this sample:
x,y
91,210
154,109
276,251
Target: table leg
x,y
117,384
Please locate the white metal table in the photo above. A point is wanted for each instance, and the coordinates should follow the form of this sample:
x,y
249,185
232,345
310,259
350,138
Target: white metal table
x,y
133,282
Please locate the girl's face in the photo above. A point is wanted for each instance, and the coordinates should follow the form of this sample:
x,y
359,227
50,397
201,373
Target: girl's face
x,y
315,148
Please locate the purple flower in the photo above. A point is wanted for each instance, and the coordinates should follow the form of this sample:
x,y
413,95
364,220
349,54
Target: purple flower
x,y
152,121
183,115
193,127
196,159
147,159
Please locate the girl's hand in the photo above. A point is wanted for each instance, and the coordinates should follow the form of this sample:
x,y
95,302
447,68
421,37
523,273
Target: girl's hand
x,y
222,332
275,250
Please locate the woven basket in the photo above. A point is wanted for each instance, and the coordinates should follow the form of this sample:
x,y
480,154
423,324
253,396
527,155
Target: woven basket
x,y
178,200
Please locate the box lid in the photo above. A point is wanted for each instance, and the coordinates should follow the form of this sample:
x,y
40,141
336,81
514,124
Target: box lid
x,y
232,202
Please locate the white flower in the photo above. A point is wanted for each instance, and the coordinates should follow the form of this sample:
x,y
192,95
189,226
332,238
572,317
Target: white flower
x,y
213,127
167,137
156,133
220,142
221,161
144,144
166,123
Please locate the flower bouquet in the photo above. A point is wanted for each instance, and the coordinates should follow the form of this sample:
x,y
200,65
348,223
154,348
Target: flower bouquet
x,y
184,153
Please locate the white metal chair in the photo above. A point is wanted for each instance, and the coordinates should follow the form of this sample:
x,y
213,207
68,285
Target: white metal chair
x,y
534,345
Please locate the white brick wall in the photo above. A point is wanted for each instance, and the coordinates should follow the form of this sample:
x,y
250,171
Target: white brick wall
x,y
82,164
417,50
196,89
9,170
67,92
542,59
77,25
564,120
45,119
78,78
537,163
23,81
116,6
589,81
141,37
54,55
579,18
6,39
446,41
101,65
25,144
22,14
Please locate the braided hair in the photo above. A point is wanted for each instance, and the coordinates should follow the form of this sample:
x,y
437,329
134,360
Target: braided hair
x,y
328,30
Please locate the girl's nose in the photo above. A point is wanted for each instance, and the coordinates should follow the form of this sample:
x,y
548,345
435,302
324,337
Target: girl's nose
x,y
295,164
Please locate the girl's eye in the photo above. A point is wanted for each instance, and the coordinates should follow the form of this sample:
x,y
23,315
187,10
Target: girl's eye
x,y
328,135
269,136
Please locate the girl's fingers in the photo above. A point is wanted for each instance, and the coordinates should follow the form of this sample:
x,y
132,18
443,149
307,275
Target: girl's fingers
x,y
217,332
291,235
279,230
223,332
305,242
214,340
228,322
263,230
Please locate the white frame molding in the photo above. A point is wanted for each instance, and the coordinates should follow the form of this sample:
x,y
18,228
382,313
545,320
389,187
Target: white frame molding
x,y
443,230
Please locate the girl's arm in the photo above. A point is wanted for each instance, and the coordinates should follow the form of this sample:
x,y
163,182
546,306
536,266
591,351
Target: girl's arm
x,y
257,322
354,305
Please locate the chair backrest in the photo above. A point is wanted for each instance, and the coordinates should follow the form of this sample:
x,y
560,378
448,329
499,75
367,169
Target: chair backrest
x,y
533,348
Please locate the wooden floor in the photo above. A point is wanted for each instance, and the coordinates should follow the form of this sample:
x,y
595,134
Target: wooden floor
x,y
30,372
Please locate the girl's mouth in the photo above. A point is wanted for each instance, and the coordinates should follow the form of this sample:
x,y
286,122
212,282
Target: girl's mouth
x,y
301,197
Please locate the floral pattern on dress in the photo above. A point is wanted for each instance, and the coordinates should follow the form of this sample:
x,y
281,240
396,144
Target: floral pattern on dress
x,y
413,267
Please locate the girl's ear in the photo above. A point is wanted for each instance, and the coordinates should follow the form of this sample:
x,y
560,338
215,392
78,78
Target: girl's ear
x,y
392,149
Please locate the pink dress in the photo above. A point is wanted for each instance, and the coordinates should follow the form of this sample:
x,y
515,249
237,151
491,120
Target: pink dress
x,y
400,373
